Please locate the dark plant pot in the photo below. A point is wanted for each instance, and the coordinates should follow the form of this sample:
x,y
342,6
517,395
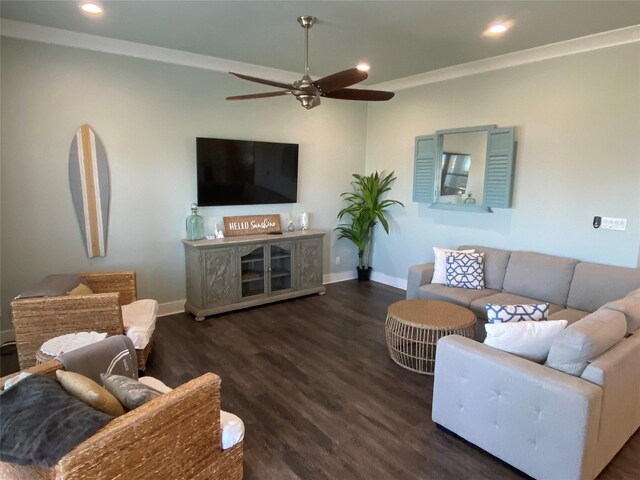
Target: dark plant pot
x,y
364,274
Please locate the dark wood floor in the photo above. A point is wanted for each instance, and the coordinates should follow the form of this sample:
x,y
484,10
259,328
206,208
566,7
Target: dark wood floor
x,y
319,396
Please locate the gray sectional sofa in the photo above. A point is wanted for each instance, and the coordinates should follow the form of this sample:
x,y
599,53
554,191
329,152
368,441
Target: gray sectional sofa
x,y
572,288
562,420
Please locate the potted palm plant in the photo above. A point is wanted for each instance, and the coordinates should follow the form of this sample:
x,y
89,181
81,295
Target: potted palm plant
x,y
364,209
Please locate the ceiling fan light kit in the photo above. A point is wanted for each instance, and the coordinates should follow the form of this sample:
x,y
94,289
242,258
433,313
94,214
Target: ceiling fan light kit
x,y
307,91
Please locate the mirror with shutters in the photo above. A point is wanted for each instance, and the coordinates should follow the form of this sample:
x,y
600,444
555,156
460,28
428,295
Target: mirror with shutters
x,y
466,169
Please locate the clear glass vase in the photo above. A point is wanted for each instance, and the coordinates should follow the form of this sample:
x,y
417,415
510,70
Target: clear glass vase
x,y
195,225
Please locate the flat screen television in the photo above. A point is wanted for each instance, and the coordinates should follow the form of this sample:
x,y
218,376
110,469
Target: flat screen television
x,y
243,172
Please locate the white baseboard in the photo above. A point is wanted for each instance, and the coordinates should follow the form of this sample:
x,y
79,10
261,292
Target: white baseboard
x,y
375,276
389,280
169,308
339,276
7,336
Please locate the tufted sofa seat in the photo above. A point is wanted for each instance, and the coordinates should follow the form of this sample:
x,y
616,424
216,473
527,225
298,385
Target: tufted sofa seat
x,y
544,422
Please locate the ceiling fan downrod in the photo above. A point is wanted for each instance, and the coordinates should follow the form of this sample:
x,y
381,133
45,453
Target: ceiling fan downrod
x,y
308,99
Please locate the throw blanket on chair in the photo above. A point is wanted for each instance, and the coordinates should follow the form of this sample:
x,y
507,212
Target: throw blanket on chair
x,y
115,355
40,422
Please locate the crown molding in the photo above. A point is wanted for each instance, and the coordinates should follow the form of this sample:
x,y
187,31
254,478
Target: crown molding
x,y
56,36
569,47
67,38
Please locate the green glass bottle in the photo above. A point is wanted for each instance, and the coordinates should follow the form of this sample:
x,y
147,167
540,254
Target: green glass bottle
x,y
195,225
469,200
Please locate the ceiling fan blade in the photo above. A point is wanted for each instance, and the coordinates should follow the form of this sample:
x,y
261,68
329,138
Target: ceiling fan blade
x,y
264,82
340,80
257,95
359,94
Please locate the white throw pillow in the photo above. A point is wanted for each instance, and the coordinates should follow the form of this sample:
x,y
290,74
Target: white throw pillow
x,y
527,339
139,319
440,263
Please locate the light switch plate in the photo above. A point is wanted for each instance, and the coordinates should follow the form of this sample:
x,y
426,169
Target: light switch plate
x,y
613,223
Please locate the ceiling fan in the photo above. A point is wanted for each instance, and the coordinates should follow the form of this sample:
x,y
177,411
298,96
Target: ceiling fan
x,y
307,91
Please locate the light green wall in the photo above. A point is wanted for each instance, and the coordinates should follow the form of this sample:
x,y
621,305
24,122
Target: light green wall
x,y
147,114
578,119
578,132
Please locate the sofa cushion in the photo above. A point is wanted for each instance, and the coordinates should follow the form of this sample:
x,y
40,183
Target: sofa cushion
x,y
630,308
586,340
530,340
595,284
139,320
479,306
569,314
540,276
495,265
459,296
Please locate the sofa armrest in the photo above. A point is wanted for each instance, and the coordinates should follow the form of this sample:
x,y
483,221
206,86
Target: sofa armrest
x,y
36,320
418,275
174,436
617,371
539,420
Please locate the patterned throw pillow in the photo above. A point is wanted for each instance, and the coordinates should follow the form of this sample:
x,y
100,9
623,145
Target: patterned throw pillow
x,y
516,313
440,263
465,270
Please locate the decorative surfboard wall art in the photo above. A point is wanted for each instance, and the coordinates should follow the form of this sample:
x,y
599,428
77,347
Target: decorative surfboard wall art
x,y
89,182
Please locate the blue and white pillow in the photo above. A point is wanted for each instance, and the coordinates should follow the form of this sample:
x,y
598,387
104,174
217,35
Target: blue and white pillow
x,y
517,313
465,270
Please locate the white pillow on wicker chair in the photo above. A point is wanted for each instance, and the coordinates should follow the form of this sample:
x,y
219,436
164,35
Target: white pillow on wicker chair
x,y
231,426
139,319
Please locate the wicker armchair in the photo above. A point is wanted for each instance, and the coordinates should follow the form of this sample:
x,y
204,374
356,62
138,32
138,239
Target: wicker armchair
x,y
176,436
36,320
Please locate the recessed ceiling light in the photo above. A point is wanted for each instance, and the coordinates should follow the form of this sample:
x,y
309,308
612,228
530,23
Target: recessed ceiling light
x,y
92,8
363,67
498,28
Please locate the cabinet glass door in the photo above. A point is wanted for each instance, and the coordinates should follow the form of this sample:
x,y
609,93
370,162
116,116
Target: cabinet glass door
x,y
252,271
280,267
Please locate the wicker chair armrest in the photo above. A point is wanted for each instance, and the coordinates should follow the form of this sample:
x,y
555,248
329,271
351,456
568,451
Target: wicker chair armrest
x,y
108,282
47,368
175,436
36,320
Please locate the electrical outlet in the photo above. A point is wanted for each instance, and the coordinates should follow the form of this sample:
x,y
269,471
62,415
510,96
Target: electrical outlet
x,y
337,260
612,223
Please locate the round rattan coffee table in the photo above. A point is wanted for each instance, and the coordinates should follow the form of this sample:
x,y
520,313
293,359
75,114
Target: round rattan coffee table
x,y
413,328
